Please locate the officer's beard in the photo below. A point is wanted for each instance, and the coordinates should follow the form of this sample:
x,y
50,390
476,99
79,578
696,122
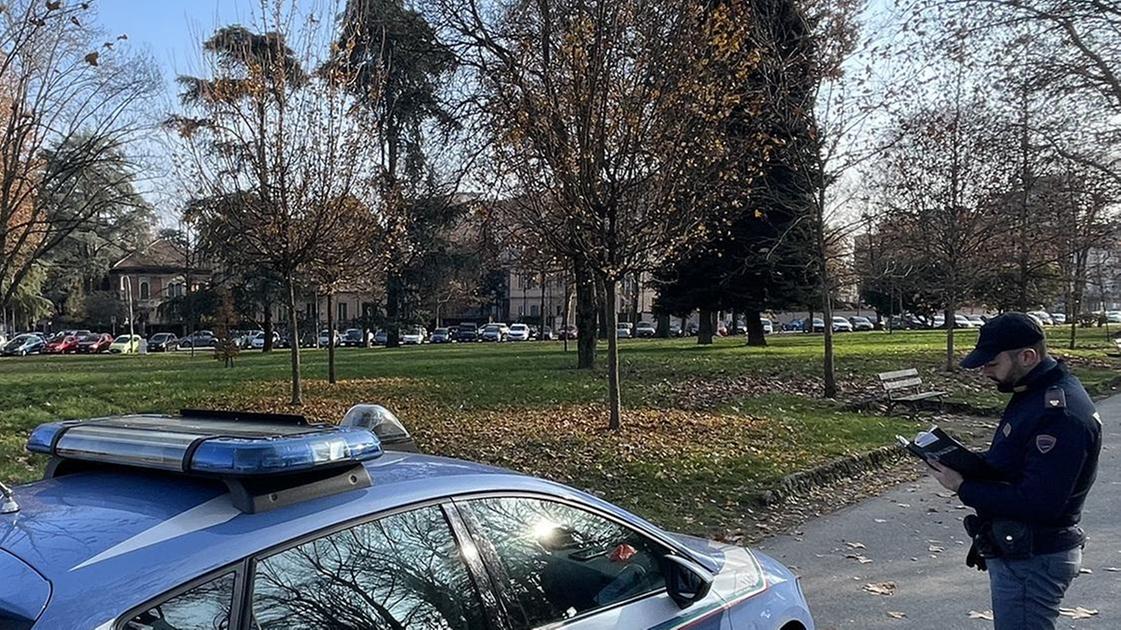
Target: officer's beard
x,y
1008,384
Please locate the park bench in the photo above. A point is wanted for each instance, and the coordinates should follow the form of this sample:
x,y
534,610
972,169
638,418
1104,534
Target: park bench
x,y
905,386
1117,348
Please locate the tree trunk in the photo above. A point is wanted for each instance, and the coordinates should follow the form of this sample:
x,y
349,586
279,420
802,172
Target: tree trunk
x,y
705,329
565,308
830,372
393,291
268,323
735,326
951,308
605,309
808,325
636,300
294,333
613,398
331,336
755,334
541,310
586,308
663,326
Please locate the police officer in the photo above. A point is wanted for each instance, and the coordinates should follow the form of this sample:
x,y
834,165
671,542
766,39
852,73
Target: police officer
x,y
1044,457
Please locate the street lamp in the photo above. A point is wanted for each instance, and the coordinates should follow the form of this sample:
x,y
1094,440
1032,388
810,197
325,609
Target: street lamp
x,y
126,286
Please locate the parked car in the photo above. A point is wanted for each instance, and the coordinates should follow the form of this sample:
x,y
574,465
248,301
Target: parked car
x,y
623,330
258,341
467,332
125,344
645,330
339,551
675,331
961,321
198,339
768,325
23,345
818,324
547,334
840,324
161,342
518,332
1059,318
568,331
381,338
1043,316
414,336
441,335
69,343
94,343
327,337
352,338
977,320
495,332
861,323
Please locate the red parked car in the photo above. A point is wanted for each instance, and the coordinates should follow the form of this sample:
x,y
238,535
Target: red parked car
x,y
95,342
69,343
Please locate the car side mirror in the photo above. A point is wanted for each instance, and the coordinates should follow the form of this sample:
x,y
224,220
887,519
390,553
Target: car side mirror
x,y
686,581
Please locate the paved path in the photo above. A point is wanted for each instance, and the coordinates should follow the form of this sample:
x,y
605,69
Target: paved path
x,y
913,537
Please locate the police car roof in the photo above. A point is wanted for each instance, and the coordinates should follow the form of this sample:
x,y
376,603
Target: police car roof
x,y
110,540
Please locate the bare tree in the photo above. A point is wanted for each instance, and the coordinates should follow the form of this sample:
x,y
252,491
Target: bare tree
x,y
609,117
277,151
62,91
942,186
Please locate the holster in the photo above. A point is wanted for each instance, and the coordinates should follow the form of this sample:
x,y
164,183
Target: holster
x,y
979,531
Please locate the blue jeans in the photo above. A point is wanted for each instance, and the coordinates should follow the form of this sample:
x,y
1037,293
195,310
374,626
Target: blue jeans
x,y
1027,593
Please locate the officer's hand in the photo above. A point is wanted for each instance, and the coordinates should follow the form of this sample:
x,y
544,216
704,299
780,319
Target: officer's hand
x,y
948,477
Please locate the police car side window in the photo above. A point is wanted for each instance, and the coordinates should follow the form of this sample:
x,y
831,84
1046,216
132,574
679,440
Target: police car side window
x,y
401,571
204,607
559,561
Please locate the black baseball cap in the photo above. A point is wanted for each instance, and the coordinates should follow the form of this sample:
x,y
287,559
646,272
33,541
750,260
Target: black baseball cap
x,y
1010,331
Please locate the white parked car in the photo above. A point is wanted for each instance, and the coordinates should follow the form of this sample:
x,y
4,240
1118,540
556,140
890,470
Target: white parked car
x,y
1059,318
768,326
646,329
840,324
623,330
1043,316
518,332
414,336
258,340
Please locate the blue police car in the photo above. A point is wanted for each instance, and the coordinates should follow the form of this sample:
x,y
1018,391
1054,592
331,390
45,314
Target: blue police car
x,y
224,520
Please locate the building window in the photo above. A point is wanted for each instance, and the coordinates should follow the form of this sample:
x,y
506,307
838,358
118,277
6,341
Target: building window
x,y
342,311
533,310
144,292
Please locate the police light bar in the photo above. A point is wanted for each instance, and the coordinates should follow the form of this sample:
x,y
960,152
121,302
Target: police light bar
x,y
225,444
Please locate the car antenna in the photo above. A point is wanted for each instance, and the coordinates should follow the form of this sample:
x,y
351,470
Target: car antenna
x,y
9,505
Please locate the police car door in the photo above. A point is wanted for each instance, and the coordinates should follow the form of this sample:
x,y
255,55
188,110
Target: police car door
x,y
557,565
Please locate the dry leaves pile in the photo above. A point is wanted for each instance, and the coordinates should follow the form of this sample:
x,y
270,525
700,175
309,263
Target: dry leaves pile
x,y
691,469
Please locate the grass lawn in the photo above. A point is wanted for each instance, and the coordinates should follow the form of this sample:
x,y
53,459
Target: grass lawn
x,y
704,426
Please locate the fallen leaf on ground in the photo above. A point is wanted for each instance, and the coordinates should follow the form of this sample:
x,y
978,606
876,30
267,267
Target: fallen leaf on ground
x,y
1077,613
1113,569
880,588
855,545
1085,570
896,615
936,548
859,558
988,614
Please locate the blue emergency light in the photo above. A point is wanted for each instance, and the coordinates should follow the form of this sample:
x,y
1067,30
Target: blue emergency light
x,y
215,443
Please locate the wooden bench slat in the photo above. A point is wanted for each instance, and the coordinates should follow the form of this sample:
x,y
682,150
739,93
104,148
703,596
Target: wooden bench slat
x,y
887,376
921,396
908,382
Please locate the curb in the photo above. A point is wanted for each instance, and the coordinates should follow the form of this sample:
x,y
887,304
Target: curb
x,y
845,467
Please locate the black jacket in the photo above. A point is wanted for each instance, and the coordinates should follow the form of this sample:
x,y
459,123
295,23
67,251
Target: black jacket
x,y
1046,446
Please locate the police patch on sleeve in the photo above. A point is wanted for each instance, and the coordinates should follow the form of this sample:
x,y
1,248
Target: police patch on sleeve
x,y
1045,443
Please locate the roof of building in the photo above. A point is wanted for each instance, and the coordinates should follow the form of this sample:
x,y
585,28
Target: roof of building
x,y
160,255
